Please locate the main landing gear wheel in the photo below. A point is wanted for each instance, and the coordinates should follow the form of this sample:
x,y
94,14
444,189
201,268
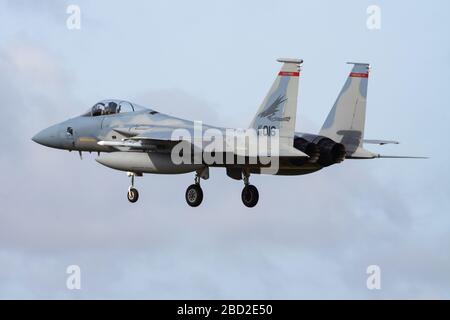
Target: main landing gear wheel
x,y
132,195
250,196
194,195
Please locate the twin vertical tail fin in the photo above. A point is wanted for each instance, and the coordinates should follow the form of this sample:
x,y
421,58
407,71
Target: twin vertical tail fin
x,y
345,122
279,108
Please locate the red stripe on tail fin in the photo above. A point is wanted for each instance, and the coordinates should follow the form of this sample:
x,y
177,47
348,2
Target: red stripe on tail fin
x,y
359,75
288,74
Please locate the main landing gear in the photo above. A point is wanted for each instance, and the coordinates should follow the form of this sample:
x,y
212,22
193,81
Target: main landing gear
x,y
132,194
194,193
250,194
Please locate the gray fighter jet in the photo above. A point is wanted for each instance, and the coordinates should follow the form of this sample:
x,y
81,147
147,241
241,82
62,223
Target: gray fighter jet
x,y
140,140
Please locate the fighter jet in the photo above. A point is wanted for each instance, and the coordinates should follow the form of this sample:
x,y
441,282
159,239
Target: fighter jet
x,y
139,140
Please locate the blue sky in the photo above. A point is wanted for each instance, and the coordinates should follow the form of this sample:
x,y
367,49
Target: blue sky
x,y
310,236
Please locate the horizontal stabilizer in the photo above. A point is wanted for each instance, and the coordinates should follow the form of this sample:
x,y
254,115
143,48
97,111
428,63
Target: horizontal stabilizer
x,y
380,142
362,153
400,157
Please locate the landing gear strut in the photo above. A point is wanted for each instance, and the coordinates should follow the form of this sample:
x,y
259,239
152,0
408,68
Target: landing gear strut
x,y
132,194
194,193
250,194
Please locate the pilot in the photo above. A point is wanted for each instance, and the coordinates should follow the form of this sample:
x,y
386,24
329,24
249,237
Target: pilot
x,y
111,108
98,109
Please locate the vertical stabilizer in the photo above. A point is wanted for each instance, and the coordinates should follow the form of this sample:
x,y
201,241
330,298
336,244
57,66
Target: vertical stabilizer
x,y
345,122
279,108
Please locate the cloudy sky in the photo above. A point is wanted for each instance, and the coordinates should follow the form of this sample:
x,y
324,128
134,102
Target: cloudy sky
x,y
309,237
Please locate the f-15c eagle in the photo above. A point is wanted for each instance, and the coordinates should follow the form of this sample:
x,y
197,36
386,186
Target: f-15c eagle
x,y
139,140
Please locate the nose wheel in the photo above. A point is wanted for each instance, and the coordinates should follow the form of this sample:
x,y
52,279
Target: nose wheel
x,y
250,194
194,193
132,194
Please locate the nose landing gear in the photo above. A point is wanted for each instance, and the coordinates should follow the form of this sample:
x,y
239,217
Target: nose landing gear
x,y
132,194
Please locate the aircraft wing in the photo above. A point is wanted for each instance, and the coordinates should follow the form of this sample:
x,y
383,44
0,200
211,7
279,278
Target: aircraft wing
x,y
163,139
145,140
156,135
122,144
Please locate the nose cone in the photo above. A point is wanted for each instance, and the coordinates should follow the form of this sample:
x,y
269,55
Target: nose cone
x,y
48,137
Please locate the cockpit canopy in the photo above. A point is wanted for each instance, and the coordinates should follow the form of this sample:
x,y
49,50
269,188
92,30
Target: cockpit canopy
x,y
109,107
